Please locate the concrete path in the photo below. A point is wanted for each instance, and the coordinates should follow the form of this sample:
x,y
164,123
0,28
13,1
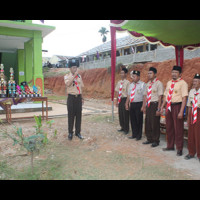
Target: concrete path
x,y
55,110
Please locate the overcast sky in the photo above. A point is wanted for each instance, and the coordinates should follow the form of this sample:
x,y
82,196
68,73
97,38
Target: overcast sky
x,y
73,37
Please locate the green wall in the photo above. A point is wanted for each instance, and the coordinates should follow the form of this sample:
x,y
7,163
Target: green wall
x,y
10,60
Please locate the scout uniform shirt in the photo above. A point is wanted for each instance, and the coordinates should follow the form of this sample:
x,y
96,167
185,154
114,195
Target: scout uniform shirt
x,y
180,91
72,89
139,91
157,90
191,97
124,87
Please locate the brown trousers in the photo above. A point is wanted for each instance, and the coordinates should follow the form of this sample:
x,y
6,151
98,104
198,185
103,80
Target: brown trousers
x,y
152,123
194,136
123,115
174,128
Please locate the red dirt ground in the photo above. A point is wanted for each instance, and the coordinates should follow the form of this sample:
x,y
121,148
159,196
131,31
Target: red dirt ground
x,y
98,81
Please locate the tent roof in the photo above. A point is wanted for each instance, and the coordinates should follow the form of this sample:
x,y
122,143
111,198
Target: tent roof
x,y
169,32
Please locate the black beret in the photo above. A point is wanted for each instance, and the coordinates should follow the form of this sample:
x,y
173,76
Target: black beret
x,y
125,70
197,76
153,69
73,62
177,68
136,72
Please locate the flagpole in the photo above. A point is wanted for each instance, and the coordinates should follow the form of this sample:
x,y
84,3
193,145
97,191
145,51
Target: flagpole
x,y
113,63
113,111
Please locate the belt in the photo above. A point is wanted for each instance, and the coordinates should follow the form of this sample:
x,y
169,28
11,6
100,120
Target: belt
x,y
74,95
176,103
154,102
137,102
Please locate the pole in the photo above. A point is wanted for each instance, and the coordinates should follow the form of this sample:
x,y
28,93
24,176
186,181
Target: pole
x,y
113,63
113,111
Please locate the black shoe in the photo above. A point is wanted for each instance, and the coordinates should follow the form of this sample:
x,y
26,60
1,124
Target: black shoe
x,y
79,136
188,157
120,130
168,149
132,137
126,132
179,153
154,144
70,136
138,139
147,142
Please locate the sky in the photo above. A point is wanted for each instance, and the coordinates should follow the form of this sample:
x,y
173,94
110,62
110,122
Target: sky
x,y
73,37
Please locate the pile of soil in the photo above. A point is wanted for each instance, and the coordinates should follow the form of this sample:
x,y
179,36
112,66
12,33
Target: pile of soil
x,y
98,81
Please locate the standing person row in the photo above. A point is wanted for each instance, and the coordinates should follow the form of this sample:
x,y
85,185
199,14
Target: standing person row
x,y
151,99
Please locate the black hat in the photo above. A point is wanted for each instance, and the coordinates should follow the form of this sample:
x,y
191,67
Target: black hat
x,y
177,68
125,70
73,62
153,69
197,76
136,72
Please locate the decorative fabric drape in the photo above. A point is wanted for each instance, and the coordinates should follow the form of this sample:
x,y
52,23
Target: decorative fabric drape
x,y
177,33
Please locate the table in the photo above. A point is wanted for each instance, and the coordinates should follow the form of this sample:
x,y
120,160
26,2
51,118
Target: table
x,y
6,104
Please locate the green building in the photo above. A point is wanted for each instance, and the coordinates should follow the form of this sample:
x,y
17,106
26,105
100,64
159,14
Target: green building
x,y
21,49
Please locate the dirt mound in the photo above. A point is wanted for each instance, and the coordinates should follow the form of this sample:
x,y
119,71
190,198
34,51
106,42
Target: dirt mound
x,y
98,81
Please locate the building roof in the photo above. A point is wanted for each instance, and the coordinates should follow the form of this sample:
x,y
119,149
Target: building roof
x,y
63,57
121,42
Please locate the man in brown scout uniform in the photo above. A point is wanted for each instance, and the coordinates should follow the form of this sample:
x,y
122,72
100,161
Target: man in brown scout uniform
x,y
75,100
175,96
151,106
193,119
121,93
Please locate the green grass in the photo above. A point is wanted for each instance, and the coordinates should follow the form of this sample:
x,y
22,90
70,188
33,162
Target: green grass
x,y
6,172
100,118
80,163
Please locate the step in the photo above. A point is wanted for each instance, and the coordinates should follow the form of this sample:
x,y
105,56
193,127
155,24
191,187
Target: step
x,y
26,107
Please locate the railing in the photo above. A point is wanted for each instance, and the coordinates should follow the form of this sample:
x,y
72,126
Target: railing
x,y
158,55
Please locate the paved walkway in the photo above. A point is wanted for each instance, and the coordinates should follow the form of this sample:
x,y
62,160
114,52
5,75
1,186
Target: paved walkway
x,y
55,110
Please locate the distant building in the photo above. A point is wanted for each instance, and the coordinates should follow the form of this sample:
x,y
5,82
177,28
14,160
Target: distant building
x,y
130,50
59,60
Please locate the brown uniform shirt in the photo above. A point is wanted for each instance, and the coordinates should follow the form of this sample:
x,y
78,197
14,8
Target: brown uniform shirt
x,y
191,98
72,89
157,90
124,87
180,91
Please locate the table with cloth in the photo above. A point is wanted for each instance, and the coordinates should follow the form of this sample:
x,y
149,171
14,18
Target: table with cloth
x,y
6,104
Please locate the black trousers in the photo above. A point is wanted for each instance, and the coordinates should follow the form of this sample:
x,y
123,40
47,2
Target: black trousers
x,y
152,123
123,115
74,107
136,118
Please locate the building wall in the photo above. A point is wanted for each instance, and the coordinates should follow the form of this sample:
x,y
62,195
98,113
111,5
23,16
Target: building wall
x,y
10,60
157,55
